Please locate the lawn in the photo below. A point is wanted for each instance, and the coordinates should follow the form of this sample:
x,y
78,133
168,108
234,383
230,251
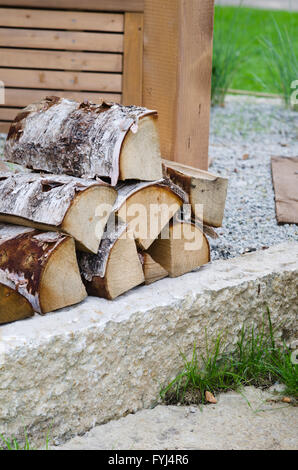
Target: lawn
x,y
246,27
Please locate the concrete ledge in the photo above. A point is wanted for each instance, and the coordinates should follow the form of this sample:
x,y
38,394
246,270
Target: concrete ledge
x,y
100,360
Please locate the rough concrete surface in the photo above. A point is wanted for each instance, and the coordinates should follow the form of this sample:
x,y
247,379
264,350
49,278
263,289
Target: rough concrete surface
x,y
101,360
238,421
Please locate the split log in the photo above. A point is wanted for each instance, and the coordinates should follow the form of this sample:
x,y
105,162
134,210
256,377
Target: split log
x,y
63,203
61,136
204,188
181,249
13,306
147,207
40,266
116,268
152,270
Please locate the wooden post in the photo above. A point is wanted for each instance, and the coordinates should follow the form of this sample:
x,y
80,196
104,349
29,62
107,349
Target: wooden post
x,y
133,59
177,75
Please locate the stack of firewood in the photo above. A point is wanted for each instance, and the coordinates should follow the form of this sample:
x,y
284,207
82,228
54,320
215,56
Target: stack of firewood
x,y
97,211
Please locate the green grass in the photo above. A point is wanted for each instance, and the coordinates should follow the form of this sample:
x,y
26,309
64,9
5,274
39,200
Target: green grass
x,y
247,28
282,63
227,58
13,444
256,361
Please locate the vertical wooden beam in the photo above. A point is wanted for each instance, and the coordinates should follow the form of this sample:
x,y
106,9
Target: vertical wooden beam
x,y
177,75
133,59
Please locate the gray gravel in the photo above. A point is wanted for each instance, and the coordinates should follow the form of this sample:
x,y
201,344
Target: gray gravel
x,y
259,129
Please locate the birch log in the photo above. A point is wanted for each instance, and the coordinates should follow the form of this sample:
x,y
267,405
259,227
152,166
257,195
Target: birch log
x,y
71,205
148,207
40,266
181,249
207,192
116,268
61,136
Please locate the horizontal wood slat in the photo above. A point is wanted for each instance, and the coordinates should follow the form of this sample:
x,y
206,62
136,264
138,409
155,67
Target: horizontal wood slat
x,y
22,97
4,127
84,61
96,5
47,48
50,19
42,39
8,114
84,81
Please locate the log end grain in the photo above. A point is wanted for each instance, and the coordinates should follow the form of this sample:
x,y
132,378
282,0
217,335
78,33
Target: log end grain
x,y
13,306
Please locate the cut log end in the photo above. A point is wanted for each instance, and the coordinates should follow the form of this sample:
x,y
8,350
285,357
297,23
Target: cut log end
x,y
207,191
182,250
40,266
13,306
123,270
61,284
140,155
153,271
147,211
88,215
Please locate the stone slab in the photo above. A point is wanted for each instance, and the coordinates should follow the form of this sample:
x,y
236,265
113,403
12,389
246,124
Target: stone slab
x,y
102,360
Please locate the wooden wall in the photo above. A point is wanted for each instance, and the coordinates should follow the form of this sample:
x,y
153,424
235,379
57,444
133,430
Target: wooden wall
x,y
152,52
95,5
66,53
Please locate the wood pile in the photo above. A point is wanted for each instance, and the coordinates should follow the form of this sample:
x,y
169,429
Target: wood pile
x,y
97,211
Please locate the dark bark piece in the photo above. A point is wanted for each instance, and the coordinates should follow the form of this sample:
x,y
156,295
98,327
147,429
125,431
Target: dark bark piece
x,y
116,268
204,188
62,203
209,231
181,249
40,266
61,136
148,207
